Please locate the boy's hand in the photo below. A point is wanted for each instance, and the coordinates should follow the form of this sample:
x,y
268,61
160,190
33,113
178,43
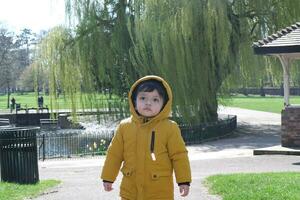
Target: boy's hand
x,y
184,190
107,186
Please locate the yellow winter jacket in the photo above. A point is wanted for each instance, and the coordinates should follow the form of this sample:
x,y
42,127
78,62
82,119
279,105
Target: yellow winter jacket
x,y
143,177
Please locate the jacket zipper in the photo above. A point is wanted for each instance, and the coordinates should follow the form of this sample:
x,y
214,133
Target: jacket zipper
x,y
152,146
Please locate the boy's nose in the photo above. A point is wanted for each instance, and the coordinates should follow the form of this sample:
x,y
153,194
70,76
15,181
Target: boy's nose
x,y
148,102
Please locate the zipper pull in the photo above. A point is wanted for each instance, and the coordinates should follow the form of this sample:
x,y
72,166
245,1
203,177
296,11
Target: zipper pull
x,y
153,156
152,146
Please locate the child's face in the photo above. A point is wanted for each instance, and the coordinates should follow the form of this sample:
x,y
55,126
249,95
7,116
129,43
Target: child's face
x,y
149,104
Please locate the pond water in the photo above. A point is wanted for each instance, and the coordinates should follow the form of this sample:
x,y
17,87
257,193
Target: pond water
x,y
93,139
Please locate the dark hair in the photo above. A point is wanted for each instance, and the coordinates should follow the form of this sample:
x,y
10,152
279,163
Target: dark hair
x,y
150,86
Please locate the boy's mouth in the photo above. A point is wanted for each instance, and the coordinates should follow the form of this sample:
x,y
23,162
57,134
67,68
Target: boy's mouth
x,y
147,109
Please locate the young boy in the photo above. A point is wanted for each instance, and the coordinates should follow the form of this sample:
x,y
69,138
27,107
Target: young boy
x,y
149,146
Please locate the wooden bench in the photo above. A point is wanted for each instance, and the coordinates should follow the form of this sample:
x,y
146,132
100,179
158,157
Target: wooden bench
x,y
27,110
49,123
4,122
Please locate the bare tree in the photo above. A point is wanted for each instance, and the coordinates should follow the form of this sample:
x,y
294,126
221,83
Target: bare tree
x,y
8,51
26,39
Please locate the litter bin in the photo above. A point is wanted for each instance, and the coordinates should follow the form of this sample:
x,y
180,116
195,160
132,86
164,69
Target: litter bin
x,y
18,155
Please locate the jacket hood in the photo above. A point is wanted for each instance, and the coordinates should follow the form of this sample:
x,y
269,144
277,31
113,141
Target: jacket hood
x,y
164,113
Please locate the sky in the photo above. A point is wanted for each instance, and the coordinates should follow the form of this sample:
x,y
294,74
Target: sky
x,y
33,14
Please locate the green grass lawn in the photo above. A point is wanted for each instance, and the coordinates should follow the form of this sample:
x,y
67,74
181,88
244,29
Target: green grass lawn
x,y
268,104
30,100
253,102
260,186
11,191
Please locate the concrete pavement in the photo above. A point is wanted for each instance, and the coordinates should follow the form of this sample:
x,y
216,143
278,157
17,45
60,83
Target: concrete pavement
x,y
234,154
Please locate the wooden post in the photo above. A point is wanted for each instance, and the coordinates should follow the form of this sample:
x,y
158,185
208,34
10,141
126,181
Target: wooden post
x,y
285,62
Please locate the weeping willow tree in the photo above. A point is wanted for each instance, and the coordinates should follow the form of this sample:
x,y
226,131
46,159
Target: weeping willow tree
x,y
257,20
91,58
102,44
55,57
192,44
199,46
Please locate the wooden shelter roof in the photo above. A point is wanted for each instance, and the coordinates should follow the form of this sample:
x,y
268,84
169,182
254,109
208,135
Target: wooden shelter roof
x,y
285,41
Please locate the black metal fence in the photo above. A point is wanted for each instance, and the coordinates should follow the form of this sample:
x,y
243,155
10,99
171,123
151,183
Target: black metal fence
x,y
72,143
266,91
207,131
67,143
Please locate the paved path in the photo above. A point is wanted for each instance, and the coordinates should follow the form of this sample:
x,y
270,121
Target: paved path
x,y
80,178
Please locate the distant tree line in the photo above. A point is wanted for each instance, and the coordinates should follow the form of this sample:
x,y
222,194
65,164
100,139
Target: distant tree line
x,y
16,58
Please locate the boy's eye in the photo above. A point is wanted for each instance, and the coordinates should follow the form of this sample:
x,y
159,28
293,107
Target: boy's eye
x,y
142,98
156,100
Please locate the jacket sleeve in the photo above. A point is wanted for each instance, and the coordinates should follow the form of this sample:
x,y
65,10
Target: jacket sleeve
x,y
114,157
179,155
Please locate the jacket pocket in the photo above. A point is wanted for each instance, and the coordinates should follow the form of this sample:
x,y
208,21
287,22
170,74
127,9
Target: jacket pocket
x,y
127,188
160,185
160,174
126,171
